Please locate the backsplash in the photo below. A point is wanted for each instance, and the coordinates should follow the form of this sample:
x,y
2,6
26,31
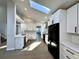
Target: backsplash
x,y
75,39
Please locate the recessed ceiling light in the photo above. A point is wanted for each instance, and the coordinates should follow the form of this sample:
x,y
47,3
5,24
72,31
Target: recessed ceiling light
x,y
25,9
22,0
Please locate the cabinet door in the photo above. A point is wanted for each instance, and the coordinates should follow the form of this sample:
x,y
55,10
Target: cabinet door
x,y
78,18
72,19
56,17
19,42
49,22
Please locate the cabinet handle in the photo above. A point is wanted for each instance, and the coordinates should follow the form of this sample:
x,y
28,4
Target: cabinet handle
x,y
70,52
67,57
75,29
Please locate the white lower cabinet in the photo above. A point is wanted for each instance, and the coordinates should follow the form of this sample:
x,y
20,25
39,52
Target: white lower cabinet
x,y
19,42
70,54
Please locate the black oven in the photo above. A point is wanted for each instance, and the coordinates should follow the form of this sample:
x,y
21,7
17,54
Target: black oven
x,y
53,37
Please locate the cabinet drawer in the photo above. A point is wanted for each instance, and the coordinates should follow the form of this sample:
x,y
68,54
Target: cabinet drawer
x,y
67,57
70,53
71,57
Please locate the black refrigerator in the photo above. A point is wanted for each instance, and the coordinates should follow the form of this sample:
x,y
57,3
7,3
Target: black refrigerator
x,y
53,37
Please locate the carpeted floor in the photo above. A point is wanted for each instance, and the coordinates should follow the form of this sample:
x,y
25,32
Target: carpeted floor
x,y
41,52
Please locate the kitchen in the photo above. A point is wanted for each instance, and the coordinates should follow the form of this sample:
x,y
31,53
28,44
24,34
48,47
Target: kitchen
x,y
58,23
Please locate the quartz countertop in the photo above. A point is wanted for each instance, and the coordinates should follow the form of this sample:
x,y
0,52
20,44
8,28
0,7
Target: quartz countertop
x,y
71,45
19,35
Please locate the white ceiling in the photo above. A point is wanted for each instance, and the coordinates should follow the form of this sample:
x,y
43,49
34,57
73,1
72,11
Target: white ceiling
x,y
31,13
36,16
57,4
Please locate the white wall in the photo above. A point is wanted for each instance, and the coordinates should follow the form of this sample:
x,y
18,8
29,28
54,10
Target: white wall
x,y
3,21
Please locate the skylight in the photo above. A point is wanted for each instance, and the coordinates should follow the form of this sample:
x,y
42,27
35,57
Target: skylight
x,y
39,7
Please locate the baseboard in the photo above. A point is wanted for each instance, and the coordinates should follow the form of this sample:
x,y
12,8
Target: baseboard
x,y
34,39
10,49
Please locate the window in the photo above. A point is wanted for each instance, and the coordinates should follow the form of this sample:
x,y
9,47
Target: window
x,y
39,7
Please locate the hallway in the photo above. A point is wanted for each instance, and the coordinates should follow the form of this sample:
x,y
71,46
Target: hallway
x,y
41,52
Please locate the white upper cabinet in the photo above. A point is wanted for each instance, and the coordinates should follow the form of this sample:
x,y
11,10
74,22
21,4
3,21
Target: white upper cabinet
x,y
49,22
54,18
72,18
